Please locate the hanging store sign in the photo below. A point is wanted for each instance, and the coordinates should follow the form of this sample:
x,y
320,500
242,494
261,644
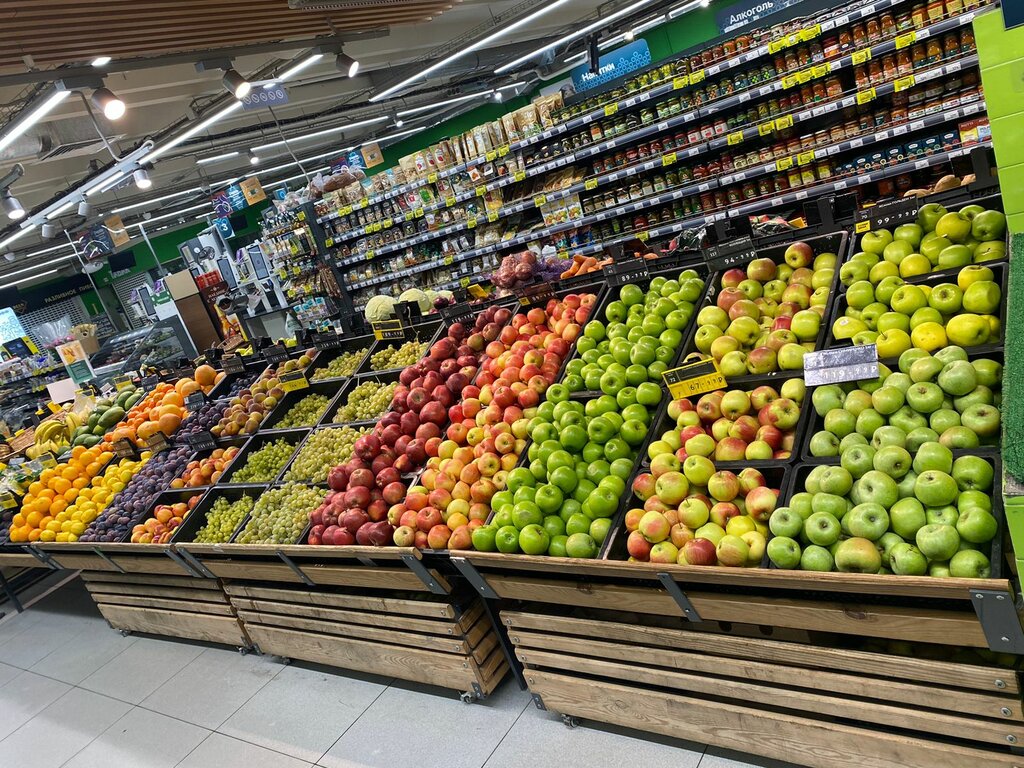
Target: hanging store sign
x,y
1013,14
223,225
372,155
252,190
741,15
612,65
76,361
228,201
261,98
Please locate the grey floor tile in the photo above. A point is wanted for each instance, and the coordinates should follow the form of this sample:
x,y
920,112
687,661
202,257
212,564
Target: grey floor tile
x,y
715,757
413,726
40,639
8,673
219,751
140,669
96,645
540,739
65,727
25,696
209,689
302,711
141,739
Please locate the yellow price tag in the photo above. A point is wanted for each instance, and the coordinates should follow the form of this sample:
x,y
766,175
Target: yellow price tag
x,y
388,223
329,242
781,123
735,138
54,408
820,70
301,216
519,175
464,282
904,83
765,128
491,156
803,76
696,77
862,226
680,82
643,237
784,164
539,200
611,109
590,184
492,216
810,33
694,379
859,57
449,201
346,210
481,191
905,40
668,159
805,157
863,97
503,150
449,259
432,178
471,223
418,213
774,46
409,216
293,381
788,81
370,255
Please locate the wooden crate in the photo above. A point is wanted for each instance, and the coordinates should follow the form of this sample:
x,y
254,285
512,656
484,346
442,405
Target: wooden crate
x,y
823,700
426,638
175,606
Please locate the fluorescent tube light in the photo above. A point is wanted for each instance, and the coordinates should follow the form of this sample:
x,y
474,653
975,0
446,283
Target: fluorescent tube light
x,y
156,200
100,61
675,13
35,276
481,43
25,122
216,158
197,128
170,215
20,233
457,99
60,209
102,185
292,71
23,270
583,32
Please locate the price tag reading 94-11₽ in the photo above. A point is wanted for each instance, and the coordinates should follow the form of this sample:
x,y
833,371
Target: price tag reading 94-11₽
x,y
274,354
694,379
886,215
725,255
538,293
327,340
388,329
835,366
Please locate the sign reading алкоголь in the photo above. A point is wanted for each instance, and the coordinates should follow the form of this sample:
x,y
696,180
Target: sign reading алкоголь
x,y
741,15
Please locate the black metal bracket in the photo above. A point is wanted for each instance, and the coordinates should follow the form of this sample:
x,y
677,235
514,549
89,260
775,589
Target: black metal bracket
x,y
364,560
196,564
298,571
689,612
417,567
538,702
473,576
12,595
186,567
997,614
110,562
43,557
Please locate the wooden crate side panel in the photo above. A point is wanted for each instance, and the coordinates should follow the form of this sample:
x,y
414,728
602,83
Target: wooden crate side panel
x,y
916,625
252,571
394,637
90,577
192,606
387,621
81,562
785,697
782,736
425,608
157,565
445,670
992,679
20,560
360,576
195,626
483,649
185,594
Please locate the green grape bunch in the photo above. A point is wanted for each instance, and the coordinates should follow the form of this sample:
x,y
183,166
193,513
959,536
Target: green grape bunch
x,y
325,448
281,514
305,413
398,357
343,365
265,465
367,401
222,519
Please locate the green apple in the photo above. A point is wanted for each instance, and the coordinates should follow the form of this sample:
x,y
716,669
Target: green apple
x,y
958,378
858,555
907,299
785,522
911,233
875,241
836,481
928,216
906,485
989,372
990,250
867,520
840,422
829,504
896,251
946,298
970,564
982,297
857,460
956,255
869,421
875,487
972,473
914,265
852,272
906,517
827,397
925,369
893,460
824,444
932,245
946,515
888,435
954,226
938,541
822,529
977,526
893,321
886,288
959,437
935,489
882,270
988,225
907,419
925,397
860,294
934,456
887,400
919,436
784,552
815,558
907,560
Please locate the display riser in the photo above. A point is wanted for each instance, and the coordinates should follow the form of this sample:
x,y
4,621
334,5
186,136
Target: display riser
x,y
805,700
442,641
170,606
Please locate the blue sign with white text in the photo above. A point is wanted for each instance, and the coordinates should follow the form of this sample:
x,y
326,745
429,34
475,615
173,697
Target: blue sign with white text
x,y
614,64
740,15
225,228
260,98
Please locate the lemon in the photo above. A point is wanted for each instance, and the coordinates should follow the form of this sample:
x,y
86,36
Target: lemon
x,y
63,537
47,535
77,528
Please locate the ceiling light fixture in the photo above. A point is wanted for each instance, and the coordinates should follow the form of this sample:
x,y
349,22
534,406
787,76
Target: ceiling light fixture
x,y
20,233
113,108
675,13
12,206
48,231
142,180
345,63
582,32
170,215
144,203
297,176
106,183
216,158
294,70
481,43
47,263
198,127
22,124
457,99
100,61
60,209
253,158
35,276
235,84
317,134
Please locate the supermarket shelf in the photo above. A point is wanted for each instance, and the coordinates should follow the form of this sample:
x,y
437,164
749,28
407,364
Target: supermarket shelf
x,y
678,83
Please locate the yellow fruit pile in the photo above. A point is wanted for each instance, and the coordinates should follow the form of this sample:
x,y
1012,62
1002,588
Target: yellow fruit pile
x,y
93,500
51,509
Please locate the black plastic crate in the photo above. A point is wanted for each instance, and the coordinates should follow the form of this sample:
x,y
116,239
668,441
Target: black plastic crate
x,y
239,441
345,345
258,441
196,519
426,332
386,377
995,554
303,535
246,378
328,389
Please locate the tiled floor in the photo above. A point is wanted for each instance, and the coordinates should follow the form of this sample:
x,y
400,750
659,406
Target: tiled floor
x,y
74,693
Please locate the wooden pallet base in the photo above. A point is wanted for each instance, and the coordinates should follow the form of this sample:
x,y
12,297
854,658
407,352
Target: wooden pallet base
x,y
425,640
175,606
809,703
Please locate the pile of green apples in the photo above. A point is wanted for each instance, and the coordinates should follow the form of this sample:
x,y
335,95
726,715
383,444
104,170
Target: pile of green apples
x,y
638,338
885,511
766,317
940,397
579,462
938,240
897,316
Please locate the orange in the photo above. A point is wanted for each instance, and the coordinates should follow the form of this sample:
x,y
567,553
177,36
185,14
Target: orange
x,y
169,422
34,534
93,468
77,451
32,519
173,398
18,520
70,495
34,488
80,482
47,494
45,475
61,486
57,506
69,473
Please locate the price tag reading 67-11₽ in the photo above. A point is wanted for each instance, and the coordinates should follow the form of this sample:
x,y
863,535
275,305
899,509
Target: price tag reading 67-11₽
x,y
694,379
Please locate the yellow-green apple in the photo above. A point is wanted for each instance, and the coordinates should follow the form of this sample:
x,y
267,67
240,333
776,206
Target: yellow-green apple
x,y
969,564
972,473
937,541
799,254
694,513
761,270
988,225
730,449
723,485
784,552
732,551
761,503
781,412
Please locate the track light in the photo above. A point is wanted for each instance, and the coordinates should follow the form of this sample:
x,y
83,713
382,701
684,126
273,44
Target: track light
x,y
253,158
346,64
142,180
48,231
113,108
84,209
15,210
100,61
498,96
235,84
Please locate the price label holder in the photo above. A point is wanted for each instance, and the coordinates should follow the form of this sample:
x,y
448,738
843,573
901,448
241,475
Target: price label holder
x,y
725,255
123,382
149,382
538,293
590,184
201,441
863,97
886,215
904,83
123,449
781,123
627,271
783,163
275,354
860,57
294,380
232,364
195,401
765,128
461,312
388,329
668,159
326,340
7,501
735,138
905,40
158,442
835,366
694,379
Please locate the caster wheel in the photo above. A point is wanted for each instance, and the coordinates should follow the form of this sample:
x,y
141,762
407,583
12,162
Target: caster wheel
x,y
466,697
243,650
569,721
125,632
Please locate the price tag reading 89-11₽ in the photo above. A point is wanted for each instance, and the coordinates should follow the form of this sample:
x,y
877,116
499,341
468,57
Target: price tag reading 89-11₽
x,y
694,379
294,380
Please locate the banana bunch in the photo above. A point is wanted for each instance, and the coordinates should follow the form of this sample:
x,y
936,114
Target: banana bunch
x,y
53,436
